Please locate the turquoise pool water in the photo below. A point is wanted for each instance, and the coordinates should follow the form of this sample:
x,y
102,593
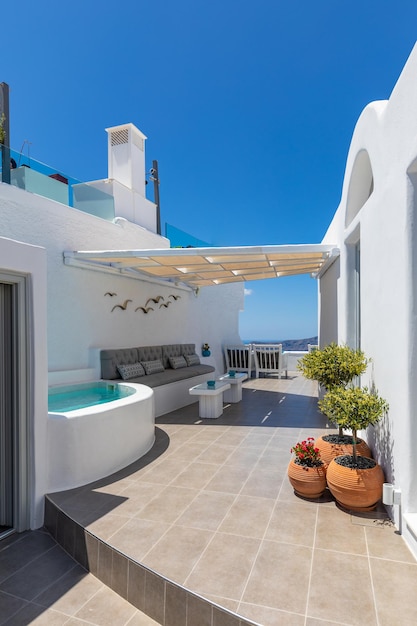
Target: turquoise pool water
x,y
73,397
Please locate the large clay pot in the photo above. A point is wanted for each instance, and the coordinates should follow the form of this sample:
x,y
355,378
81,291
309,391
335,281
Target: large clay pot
x,y
308,482
329,451
355,489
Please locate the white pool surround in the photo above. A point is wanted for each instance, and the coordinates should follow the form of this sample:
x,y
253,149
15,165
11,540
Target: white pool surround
x,y
90,443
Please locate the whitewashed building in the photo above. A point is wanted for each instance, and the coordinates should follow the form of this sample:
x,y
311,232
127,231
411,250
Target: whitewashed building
x,y
56,315
368,297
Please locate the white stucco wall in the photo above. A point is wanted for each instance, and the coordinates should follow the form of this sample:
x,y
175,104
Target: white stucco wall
x,y
79,318
386,137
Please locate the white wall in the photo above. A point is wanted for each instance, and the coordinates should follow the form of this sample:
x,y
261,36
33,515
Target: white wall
x,y
79,314
384,145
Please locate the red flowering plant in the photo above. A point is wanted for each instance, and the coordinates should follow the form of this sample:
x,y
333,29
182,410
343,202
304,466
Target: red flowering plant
x,y
306,453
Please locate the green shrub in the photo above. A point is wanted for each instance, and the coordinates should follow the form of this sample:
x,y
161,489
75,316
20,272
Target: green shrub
x,y
353,408
333,366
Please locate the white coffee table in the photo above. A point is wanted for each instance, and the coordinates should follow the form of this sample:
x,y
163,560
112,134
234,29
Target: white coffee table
x,y
210,399
234,394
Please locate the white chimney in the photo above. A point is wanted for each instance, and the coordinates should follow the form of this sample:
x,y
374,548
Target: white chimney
x,y
126,157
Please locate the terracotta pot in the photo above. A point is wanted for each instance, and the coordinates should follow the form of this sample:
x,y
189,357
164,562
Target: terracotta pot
x,y
329,451
308,482
355,489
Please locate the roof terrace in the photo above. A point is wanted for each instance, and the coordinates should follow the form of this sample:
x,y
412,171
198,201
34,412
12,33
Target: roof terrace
x,y
205,529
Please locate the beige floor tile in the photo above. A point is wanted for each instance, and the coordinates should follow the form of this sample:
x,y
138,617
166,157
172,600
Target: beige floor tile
x,y
385,542
335,531
207,435
165,471
138,536
248,516
228,479
280,577
226,603
232,437
263,483
245,457
269,617
196,476
106,608
207,510
106,525
292,522
224,566
168,505
136,496
190,451
216,453
311,621
140,619
257,440
189,543
341,589
395,587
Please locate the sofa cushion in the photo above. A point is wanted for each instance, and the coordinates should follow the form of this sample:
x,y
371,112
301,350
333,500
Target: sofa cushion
x,y
111,358
172,376
169,350
153,367
131,370
176,362
150,353
192,359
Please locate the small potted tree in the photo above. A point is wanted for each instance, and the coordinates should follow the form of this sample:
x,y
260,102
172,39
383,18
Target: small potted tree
x,y
335,366
354,480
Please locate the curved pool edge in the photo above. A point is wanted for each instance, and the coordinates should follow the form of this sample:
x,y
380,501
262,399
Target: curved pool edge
x,y
88,444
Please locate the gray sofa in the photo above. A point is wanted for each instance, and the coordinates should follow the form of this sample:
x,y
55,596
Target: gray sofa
x,y
110,359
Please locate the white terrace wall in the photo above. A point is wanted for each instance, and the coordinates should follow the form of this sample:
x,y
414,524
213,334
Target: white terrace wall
x,y
79,317
377,212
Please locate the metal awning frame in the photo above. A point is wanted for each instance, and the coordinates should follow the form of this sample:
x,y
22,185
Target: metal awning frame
x,y
198,267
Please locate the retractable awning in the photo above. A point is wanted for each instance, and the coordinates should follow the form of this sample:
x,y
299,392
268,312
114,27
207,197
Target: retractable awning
x,y
200,267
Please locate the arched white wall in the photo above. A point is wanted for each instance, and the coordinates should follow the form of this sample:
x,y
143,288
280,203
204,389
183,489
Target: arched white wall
x,y
386,137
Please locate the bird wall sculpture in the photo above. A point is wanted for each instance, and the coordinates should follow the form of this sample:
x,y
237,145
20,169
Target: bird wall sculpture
x,y
144,309
121,306
154,300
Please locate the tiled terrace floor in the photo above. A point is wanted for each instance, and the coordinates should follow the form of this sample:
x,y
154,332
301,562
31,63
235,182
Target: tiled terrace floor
x,y
213,511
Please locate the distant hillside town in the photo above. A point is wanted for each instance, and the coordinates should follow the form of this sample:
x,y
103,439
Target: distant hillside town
x,y
288,344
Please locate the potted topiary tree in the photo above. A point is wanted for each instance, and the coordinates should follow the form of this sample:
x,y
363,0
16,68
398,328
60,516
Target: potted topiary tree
x,y
354,480
335,366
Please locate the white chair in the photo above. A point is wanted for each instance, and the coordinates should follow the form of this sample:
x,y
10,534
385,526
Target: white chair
x,y
239,358
268,358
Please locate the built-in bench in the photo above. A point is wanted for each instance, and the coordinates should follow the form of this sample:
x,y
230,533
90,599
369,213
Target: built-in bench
x,y
168,369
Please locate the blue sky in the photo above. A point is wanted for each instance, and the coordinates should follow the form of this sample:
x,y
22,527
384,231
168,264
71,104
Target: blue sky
x,y
249,108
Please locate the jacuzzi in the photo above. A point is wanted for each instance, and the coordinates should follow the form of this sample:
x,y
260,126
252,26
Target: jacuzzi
x,y
86,444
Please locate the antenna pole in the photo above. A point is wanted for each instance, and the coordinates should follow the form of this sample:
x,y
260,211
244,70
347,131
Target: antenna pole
x,y
5,152
155,178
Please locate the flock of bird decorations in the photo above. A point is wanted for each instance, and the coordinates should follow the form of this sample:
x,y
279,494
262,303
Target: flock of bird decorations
x,y
158,300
